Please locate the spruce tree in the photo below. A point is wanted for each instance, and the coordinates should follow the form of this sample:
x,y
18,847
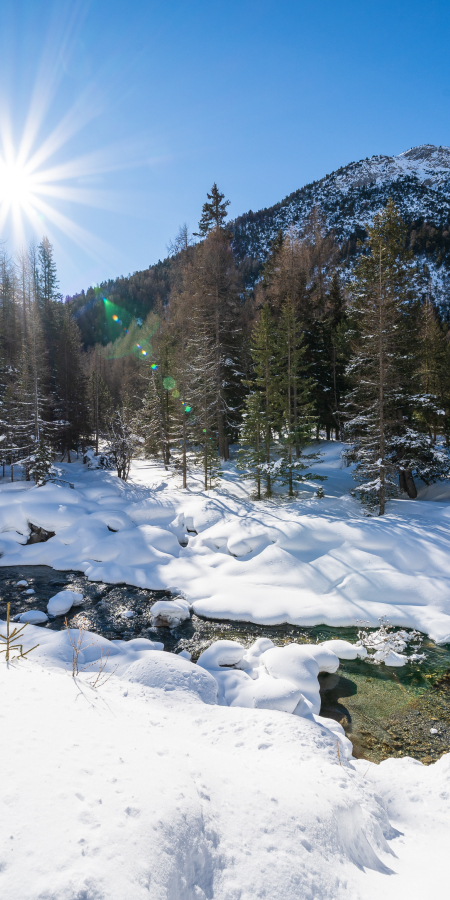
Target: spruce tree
x,y
214,213
265,383
252,452
296,408
39,463
381,368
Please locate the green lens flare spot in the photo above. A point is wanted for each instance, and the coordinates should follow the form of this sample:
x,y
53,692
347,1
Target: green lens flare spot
x,y
169,383
188,408
154,367
175,394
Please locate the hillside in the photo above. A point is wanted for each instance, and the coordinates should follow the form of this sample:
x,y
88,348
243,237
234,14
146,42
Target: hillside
x,y
418,180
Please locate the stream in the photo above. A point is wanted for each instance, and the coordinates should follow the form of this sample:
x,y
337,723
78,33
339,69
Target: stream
x,y
385,711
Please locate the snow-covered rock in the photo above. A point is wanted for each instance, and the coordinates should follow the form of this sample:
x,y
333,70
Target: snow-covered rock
x,y
170,612
33,617
63,601
344,649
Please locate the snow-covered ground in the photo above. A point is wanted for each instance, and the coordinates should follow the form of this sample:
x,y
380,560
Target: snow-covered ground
x,y
217,780
307,562
145,788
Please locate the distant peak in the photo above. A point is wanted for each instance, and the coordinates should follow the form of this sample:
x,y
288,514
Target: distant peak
x,y
427,152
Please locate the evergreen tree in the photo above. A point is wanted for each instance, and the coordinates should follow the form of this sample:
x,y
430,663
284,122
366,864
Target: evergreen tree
x,y
46,275
202,405
39,463
214,213
265,383
211,289
382,365
70,383
252,453
328,357
294,390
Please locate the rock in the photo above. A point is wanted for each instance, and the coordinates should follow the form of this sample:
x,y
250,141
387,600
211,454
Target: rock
x,y
170,613
63,601
33,617
21,583
29,591
221,653
39,535
128,613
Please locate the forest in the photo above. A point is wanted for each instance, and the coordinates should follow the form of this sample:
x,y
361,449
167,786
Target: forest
x,y
228,353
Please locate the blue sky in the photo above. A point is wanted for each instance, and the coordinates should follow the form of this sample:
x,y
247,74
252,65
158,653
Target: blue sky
x,y
145,104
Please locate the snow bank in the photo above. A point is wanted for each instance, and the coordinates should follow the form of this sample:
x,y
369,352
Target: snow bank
x,y
148,788
306,562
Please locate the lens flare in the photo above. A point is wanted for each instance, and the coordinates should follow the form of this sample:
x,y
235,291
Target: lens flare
x,y
188,408
154,367
115,318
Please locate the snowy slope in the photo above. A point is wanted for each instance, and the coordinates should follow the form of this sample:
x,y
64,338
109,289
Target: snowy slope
x,y
418,180
307,562
134,792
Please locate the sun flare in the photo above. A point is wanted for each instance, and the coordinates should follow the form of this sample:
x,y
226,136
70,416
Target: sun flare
x,y
16,185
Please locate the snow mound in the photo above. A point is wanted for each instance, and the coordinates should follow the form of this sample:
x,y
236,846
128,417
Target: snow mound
x,y
168,672
33,617
63,601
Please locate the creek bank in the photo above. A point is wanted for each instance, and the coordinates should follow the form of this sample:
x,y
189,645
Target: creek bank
x,y
385,713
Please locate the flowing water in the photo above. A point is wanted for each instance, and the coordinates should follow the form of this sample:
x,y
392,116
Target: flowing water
x,y
385,711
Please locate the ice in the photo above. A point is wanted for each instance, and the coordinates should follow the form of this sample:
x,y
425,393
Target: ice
x,y
29,591
63,601
21,583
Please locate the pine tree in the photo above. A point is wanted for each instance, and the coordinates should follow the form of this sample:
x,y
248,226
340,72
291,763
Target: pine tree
x,y
211,289
381,368
70,382
294,391
39,463
252,452
47,277
328,356
265,383
202,406
214,213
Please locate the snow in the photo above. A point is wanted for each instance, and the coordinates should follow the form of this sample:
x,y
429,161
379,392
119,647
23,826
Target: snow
x,y
63,601
33,617
306,562
147,787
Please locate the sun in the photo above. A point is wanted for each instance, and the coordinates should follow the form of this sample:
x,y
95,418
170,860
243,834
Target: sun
x,y
16,185
38,188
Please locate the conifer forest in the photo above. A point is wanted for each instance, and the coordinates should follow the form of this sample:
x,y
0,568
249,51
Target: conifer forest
x,y
211,353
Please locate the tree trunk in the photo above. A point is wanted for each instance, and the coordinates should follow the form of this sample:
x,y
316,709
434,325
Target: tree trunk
x,y
410,486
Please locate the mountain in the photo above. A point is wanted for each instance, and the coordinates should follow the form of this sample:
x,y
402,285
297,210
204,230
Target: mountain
x,y
418,181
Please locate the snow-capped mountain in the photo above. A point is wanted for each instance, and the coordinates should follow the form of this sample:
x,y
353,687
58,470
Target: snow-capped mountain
x,y
418,181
